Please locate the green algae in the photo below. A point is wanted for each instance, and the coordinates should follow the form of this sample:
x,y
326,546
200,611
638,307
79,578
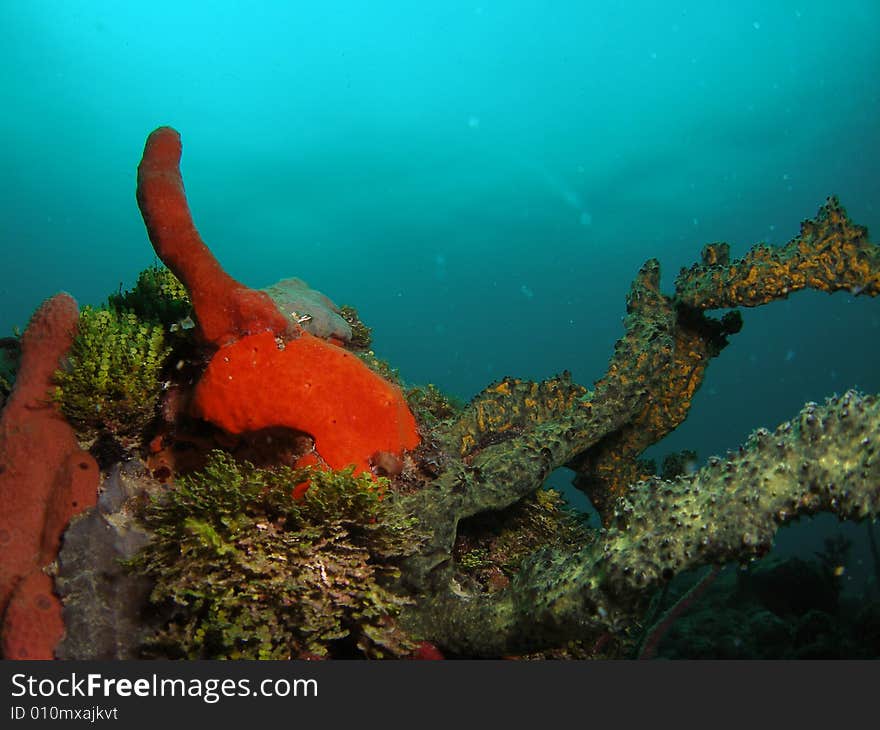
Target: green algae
x,y
243,569
111,378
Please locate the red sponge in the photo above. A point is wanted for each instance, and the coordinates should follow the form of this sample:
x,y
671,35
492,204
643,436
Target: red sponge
x,y
225,308
309,385
45,479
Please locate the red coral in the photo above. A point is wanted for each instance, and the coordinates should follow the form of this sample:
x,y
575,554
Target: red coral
x,y
225,308
309,385
45,479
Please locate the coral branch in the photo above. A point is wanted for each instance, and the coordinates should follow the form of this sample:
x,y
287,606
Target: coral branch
x,y
664,354
563,420
516,432
825,459
830,254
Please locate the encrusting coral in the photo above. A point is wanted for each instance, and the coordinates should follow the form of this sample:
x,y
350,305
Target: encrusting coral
x,y
423,528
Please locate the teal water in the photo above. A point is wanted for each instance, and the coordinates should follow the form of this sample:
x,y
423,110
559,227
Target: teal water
x,y
481,179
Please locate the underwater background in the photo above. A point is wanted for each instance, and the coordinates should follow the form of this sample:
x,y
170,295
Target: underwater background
x,y
482,180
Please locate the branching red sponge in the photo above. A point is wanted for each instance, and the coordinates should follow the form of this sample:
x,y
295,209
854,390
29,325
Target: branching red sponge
x,y
45,479
225,308
309,385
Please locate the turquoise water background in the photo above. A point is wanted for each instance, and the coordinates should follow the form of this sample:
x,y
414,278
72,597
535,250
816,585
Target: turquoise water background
x,y
481,179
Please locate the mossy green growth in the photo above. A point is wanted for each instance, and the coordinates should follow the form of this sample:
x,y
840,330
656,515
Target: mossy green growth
x,y
361,335
157,296
500,541
431,406
380,367
246,571
111,377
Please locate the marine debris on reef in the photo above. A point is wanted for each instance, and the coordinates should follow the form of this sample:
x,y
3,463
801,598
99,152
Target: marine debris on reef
x,y
269,443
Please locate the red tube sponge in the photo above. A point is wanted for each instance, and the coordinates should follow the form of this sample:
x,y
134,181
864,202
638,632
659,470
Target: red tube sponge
x,y
225,309
45,479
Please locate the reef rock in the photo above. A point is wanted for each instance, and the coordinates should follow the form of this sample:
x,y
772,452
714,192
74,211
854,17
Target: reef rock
x,y
103,601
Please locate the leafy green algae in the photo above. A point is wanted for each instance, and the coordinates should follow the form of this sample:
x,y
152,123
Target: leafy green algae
x,y
157,296
111,377
245,570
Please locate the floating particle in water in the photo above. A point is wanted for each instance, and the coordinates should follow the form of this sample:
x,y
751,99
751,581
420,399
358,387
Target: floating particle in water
x,y
790,355
473,122
586,219
440,267
526,292
756,25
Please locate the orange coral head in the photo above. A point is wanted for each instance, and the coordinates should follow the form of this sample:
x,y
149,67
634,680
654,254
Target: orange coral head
x,y
225,308
309,385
